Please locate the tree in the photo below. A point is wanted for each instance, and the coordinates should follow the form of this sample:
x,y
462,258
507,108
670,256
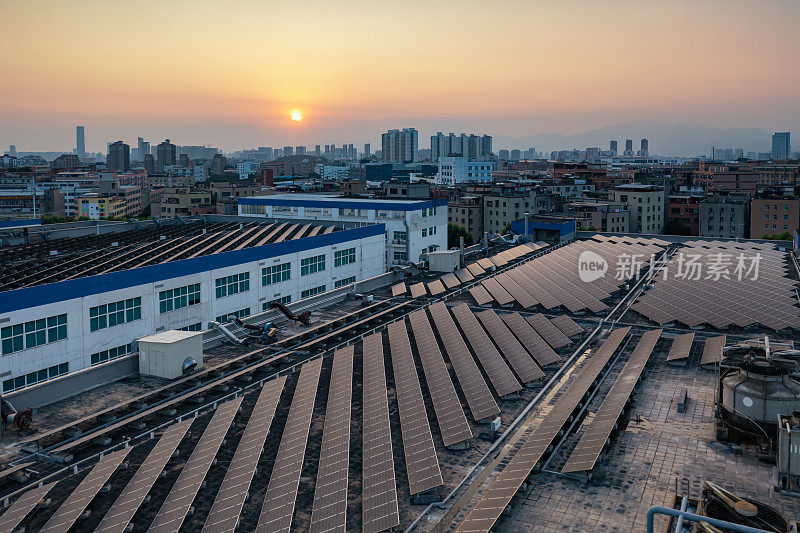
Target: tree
x,y
454,232
673,227
506,229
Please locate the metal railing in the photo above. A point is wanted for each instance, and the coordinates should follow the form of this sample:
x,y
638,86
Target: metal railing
x,y
691,517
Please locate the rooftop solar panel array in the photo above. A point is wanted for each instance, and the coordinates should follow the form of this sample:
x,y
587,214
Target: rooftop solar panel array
x,y
485,263
717,284
548,331
422,464
500,295
523,297
119,516
567,326
681,346
453,424
464,275
175,508
450,280
535,344
475,269
435,287
591,443
479,398
399,289
22,506
278,508
499,374
496,498
228,504
72,508
417,290
379,510
329,511
481,295
519,359
712,350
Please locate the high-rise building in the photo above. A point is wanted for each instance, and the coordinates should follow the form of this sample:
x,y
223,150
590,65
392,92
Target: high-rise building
x,y
12,149
503,154
471,146
143,149
166,154
183,161
612,147
287,151
781,147
628,147
516,155
80,142
644,148
119,157
366,150
300,150
317,150
218,164
400,146
149,164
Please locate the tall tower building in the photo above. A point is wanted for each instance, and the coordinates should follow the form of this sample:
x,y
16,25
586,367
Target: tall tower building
x,y
80,142
628,146
119,157
612,147
165,155
400,146
144,149
644,148
781,146
317,150
367,151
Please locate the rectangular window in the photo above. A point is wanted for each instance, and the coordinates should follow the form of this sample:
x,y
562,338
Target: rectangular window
x,y
282,300
400,235
34,333
276,273
35,377
193,327
312,292
344,257
309,265
241,313
232,284
400,256
115,313
424,232
343,282
113,353
172,299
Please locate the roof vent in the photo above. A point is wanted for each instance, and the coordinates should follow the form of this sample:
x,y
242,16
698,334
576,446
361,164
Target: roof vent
x,y
115,243
162,238
53,252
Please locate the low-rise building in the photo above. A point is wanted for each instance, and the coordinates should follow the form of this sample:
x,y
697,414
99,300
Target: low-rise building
x,y
182,201
601,215
725,215
467,212
454,170
774,216
99,207
684,209
646,204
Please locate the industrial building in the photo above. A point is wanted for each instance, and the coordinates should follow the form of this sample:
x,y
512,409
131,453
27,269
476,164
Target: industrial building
x,y
513,393
68,304
413,227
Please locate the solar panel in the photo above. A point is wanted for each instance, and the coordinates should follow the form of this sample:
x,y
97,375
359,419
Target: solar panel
x,y
567,326
510,347
525,279
681,345
481,295
278,508
84,493
22,506
399,289
435,287
228,504
417,290
499,374
499,494
422,465
535,344
119,516
464,275
450,280
498,260
522,296
174,509
475,269
329,510
497,291
479,398
379,510
453,424
548,331
594,438
485,263
712,350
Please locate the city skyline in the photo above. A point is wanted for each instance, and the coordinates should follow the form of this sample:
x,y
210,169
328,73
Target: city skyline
x,y
524,76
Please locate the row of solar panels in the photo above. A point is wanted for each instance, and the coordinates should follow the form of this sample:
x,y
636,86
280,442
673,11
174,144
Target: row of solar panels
x,y
509,356
554,279
724,284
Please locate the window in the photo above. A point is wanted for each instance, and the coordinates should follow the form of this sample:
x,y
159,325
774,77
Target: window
x,y
34,333
401,256
310,265
113,353
193,327
311,292
232,284
343,282
241,313
344,257
400,235
281,300
35,377
424,232
115,313
276,273
172,299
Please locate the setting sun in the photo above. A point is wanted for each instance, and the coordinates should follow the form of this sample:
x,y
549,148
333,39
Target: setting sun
x,y
297,116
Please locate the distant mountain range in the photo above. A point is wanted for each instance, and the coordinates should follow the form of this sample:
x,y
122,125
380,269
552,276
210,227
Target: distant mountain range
x,y
677,139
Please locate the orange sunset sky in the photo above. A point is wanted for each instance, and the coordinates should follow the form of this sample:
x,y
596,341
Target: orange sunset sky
x,y
229,73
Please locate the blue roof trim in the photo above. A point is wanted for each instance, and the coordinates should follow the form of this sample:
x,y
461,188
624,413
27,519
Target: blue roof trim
x,y
20,222
566,227
344,203
60,291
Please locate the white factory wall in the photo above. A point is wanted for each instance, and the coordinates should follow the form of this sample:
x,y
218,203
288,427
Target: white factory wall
x,y
81,342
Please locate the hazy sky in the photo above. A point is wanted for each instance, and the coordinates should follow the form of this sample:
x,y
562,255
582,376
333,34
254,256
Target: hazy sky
x,y
228,73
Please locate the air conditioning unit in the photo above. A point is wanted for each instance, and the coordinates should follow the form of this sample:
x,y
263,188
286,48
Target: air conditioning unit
x,y
171,354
